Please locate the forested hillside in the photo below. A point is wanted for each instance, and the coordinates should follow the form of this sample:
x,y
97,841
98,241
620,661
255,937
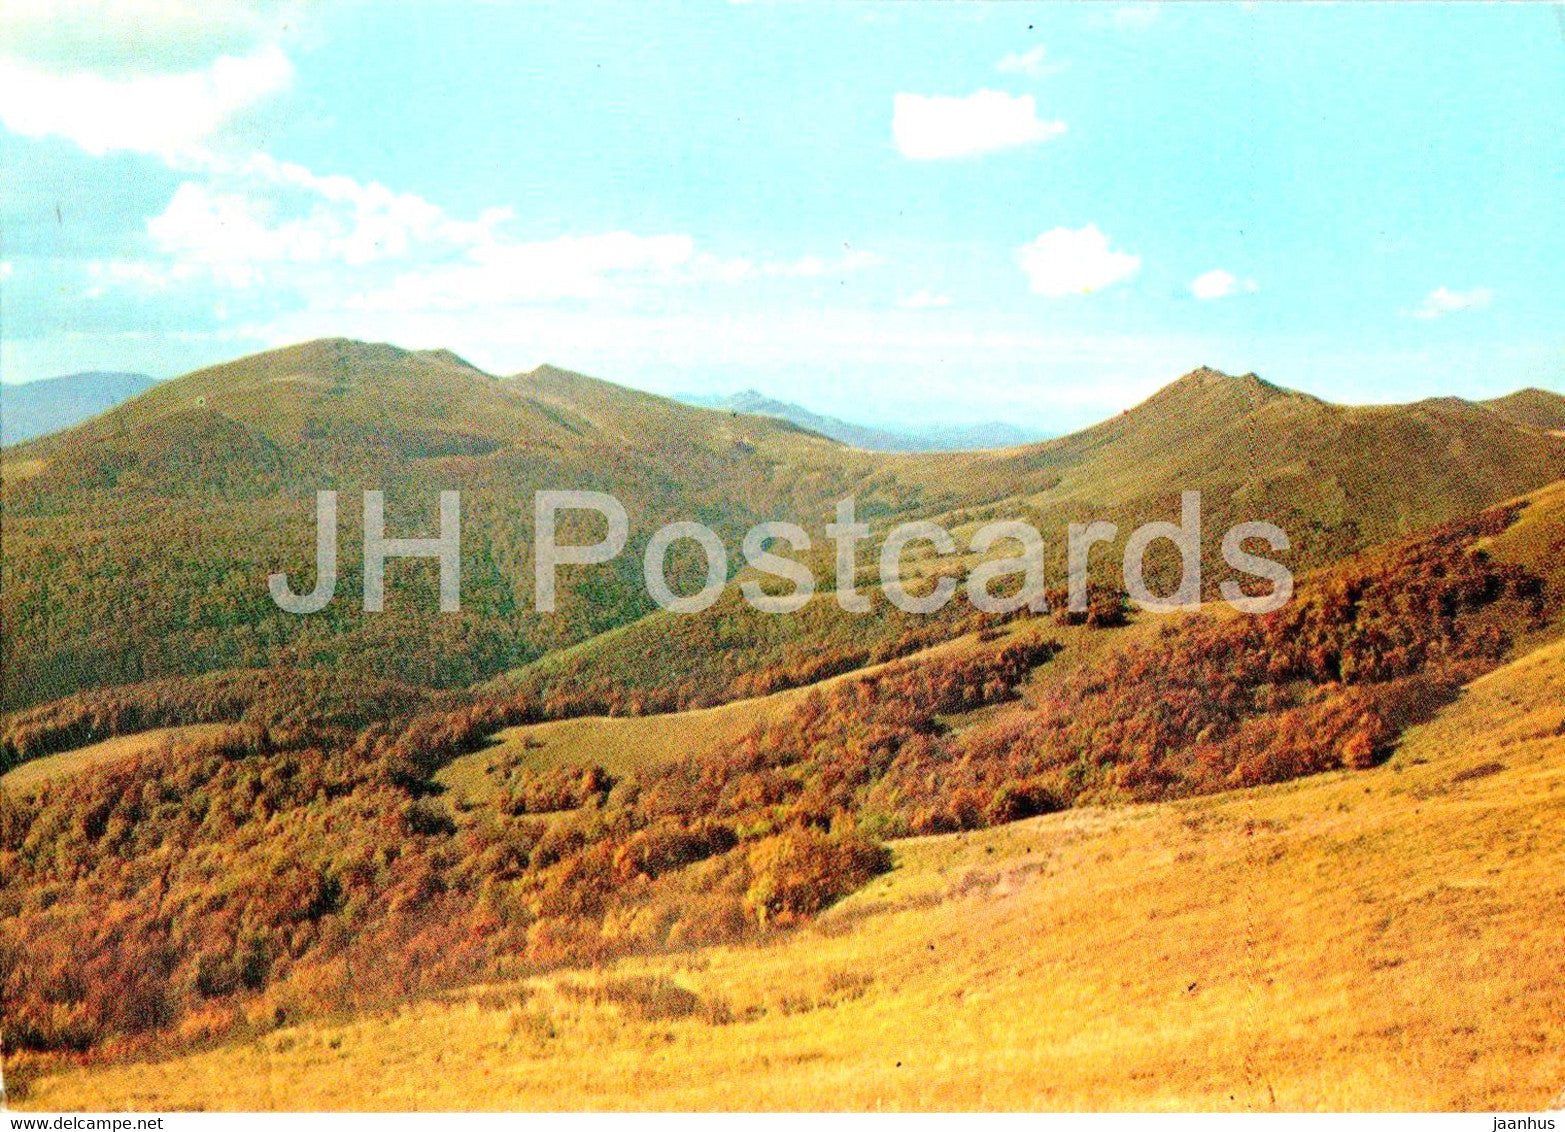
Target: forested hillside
x,y
294,865
138,544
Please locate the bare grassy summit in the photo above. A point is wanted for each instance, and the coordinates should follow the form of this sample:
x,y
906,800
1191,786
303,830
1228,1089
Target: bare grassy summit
x,y
1536,407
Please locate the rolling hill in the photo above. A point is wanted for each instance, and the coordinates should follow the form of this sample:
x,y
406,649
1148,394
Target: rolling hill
x,y
1336,478
1536,407
1372,940
177,505
40,407
1277,453
204,897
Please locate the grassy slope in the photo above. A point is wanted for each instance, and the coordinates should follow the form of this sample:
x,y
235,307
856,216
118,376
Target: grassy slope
x,y
1335,477
1260,451
26,778
620,743
1536,407
617,744
1384,940
178,501
1060,979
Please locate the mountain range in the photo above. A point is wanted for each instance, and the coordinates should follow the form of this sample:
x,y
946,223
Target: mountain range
x,y
939,438
181,501
40,407
743,845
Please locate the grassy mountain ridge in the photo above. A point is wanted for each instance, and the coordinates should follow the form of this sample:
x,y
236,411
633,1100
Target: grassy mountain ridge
x,y
1387,467
1536,407
138,543
1335,478
378,401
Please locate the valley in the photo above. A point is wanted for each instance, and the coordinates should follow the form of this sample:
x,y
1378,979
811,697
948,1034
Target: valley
x,y
160,516
751,560
631,858
1361,940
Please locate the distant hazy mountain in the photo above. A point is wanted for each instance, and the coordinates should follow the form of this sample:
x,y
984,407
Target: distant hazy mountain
x,y
953,438
38,407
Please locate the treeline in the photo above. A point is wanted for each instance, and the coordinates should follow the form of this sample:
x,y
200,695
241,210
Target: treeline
x,y
245,878
281,700
239,881
733,652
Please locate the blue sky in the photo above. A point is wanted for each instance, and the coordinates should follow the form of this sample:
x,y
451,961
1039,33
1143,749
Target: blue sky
x,y
908,214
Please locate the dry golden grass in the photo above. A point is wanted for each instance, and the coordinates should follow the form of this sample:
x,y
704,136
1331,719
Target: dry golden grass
x,y
622,743
618,744
1531,539
26,778
1388,939
14,470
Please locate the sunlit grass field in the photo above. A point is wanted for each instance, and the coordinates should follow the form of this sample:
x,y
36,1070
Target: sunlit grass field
x,y
622,743
28,777
1386,939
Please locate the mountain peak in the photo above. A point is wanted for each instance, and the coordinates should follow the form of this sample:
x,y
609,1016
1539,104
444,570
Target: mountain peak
x,y
1537,408
351,352
1206,376
1205,390
449,358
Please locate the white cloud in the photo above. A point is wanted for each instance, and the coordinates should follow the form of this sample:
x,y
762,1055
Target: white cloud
x,y
932,128
296,225
245,221
1219,284
1214,284
275,228
1443,301
275,212
229,232
923,300
1025,63
168,115
7,269
1072,261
